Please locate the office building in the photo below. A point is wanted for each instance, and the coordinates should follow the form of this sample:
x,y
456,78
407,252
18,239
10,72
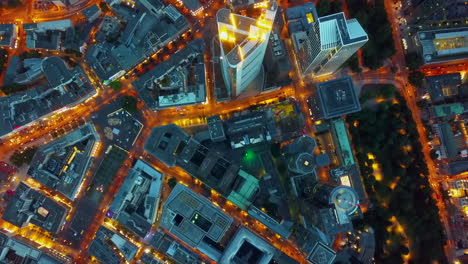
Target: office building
x,y
171,83
444,45
343,198
246,247
243,42
30,206
136,204
173,146
338,204
194,220
8,35
321,254
334,98
322,45
63,163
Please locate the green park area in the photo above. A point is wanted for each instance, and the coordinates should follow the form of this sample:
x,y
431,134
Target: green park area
x,y
373,18
18,158
403,214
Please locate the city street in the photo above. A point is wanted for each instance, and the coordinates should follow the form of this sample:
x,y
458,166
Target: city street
x,y
40,132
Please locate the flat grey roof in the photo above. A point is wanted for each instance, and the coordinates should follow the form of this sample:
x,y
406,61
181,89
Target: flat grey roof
x,y
346,32
193,218
90,11
6,33
56,71
163,142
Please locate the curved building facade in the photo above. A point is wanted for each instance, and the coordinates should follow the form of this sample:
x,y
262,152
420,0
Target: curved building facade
x,y
243,42
344,198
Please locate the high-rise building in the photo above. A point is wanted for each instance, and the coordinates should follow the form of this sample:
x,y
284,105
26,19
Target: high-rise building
x,y
325,44
243,42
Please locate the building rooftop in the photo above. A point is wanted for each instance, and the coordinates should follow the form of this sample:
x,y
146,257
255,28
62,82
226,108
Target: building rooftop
x,y
49,40
446,110
145,33
216,128
193,219
63,163
321,254
121,128
301,17
21,251
345,199
22,108
343,145
244,190
108,247
8,33
12,70
247,129
455,167
136,204
56,71
350,31
447,141
246,247
349,176
338,97
442,86
171,83
90,12
31,206
192,5
282,229
166,140
444,44
240,35
49,25
173,249
173,146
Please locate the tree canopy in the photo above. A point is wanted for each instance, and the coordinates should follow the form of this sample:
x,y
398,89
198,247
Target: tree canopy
x,y
416,78
129,104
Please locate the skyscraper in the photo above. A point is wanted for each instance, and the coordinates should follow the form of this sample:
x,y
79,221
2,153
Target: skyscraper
x,y
243,42
327,43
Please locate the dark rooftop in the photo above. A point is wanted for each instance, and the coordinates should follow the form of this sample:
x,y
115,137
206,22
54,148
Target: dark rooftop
x,y
56,71
439,85
29,205
338,97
